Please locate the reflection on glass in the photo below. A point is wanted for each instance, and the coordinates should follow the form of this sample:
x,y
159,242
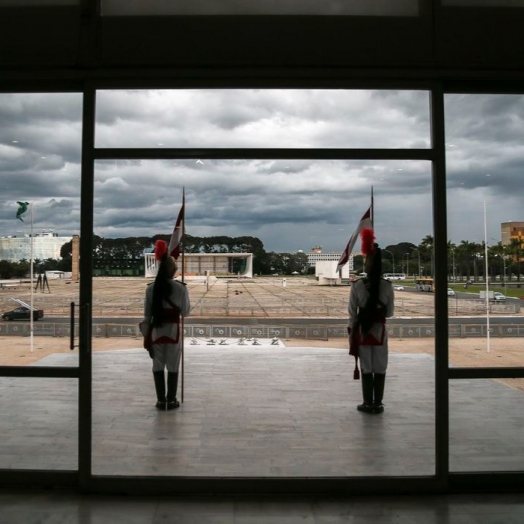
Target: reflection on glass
x,y
279,118
40,424
485,427
260,7
40,164
485,264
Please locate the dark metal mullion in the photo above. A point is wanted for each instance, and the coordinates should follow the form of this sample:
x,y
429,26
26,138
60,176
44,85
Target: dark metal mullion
x,y
10,478
183,485
86,288
478,84
39,371
474,373
261,153
440,276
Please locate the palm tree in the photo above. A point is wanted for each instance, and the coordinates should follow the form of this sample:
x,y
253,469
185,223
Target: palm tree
x,y
426,250
467,252
497,253
451,249
515,250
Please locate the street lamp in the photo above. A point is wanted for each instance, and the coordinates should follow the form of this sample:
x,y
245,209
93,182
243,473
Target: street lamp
x,y
392,258
418,253
407,262
504,274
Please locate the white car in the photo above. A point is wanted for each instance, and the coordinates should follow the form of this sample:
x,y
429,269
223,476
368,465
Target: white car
x,y
399,288
499,297
451,293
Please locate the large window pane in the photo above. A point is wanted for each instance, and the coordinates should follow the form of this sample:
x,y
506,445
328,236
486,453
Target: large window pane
x,y
263,118
39,427
484,154
485,428
286,410
40,144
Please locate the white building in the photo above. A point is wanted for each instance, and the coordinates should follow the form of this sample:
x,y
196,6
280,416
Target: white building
x,y
316,255
326,272
45,245
198,265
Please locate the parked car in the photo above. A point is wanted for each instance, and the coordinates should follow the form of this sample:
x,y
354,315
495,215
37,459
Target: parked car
x,y
451,293
23,312
499,297
399,288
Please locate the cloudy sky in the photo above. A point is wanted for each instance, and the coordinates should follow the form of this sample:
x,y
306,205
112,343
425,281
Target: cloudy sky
x,y
289,205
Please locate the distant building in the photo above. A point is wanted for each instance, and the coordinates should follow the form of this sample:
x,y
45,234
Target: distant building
x,y
511,230
212,264
45,245
316,255
326,272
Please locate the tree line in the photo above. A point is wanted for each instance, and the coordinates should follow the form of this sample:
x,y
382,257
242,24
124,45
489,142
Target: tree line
x,y
465,260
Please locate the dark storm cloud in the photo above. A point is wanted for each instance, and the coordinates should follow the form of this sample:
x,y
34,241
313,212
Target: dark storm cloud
x,y
288,204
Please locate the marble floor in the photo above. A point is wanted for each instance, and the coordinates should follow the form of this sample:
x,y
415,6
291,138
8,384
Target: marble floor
x,y
67,507
258,411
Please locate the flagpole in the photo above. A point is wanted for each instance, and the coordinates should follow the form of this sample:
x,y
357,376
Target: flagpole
x,y
486,275
372,211
183,280
31,280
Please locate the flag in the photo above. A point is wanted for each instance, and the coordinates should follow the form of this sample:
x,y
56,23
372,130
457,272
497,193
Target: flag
x,y
178,233
21,210
365,221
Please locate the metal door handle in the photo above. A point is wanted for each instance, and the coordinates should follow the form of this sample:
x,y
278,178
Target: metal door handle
x,y
72,327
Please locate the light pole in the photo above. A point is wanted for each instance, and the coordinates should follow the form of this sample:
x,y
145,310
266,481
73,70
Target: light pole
x,y
418,253
504,274
392,258
407,262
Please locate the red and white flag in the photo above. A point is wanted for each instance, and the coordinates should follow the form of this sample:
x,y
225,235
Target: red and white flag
x,y
365,221
178,232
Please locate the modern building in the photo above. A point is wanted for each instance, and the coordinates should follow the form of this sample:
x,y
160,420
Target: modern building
x,y
441,48
510,231
45,245
317,255
207,264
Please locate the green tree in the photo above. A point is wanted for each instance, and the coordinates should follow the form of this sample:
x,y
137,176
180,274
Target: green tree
x,y
516,252
6,269
467,253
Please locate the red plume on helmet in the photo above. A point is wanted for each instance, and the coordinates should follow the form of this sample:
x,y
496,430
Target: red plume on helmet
x,y
160,249
368,244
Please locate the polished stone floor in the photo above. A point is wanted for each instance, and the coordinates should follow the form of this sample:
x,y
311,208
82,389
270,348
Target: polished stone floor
x,y
258,411
65,507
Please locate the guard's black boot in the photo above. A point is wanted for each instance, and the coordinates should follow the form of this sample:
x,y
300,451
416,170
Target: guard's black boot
x,y
378,389
172,381
160,387
367,393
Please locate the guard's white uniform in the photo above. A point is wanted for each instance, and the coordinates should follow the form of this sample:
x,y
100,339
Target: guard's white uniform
x,y
166,343
373,359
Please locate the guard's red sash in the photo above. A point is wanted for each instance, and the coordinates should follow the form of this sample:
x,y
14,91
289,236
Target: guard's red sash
x,y
170,316
356,340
